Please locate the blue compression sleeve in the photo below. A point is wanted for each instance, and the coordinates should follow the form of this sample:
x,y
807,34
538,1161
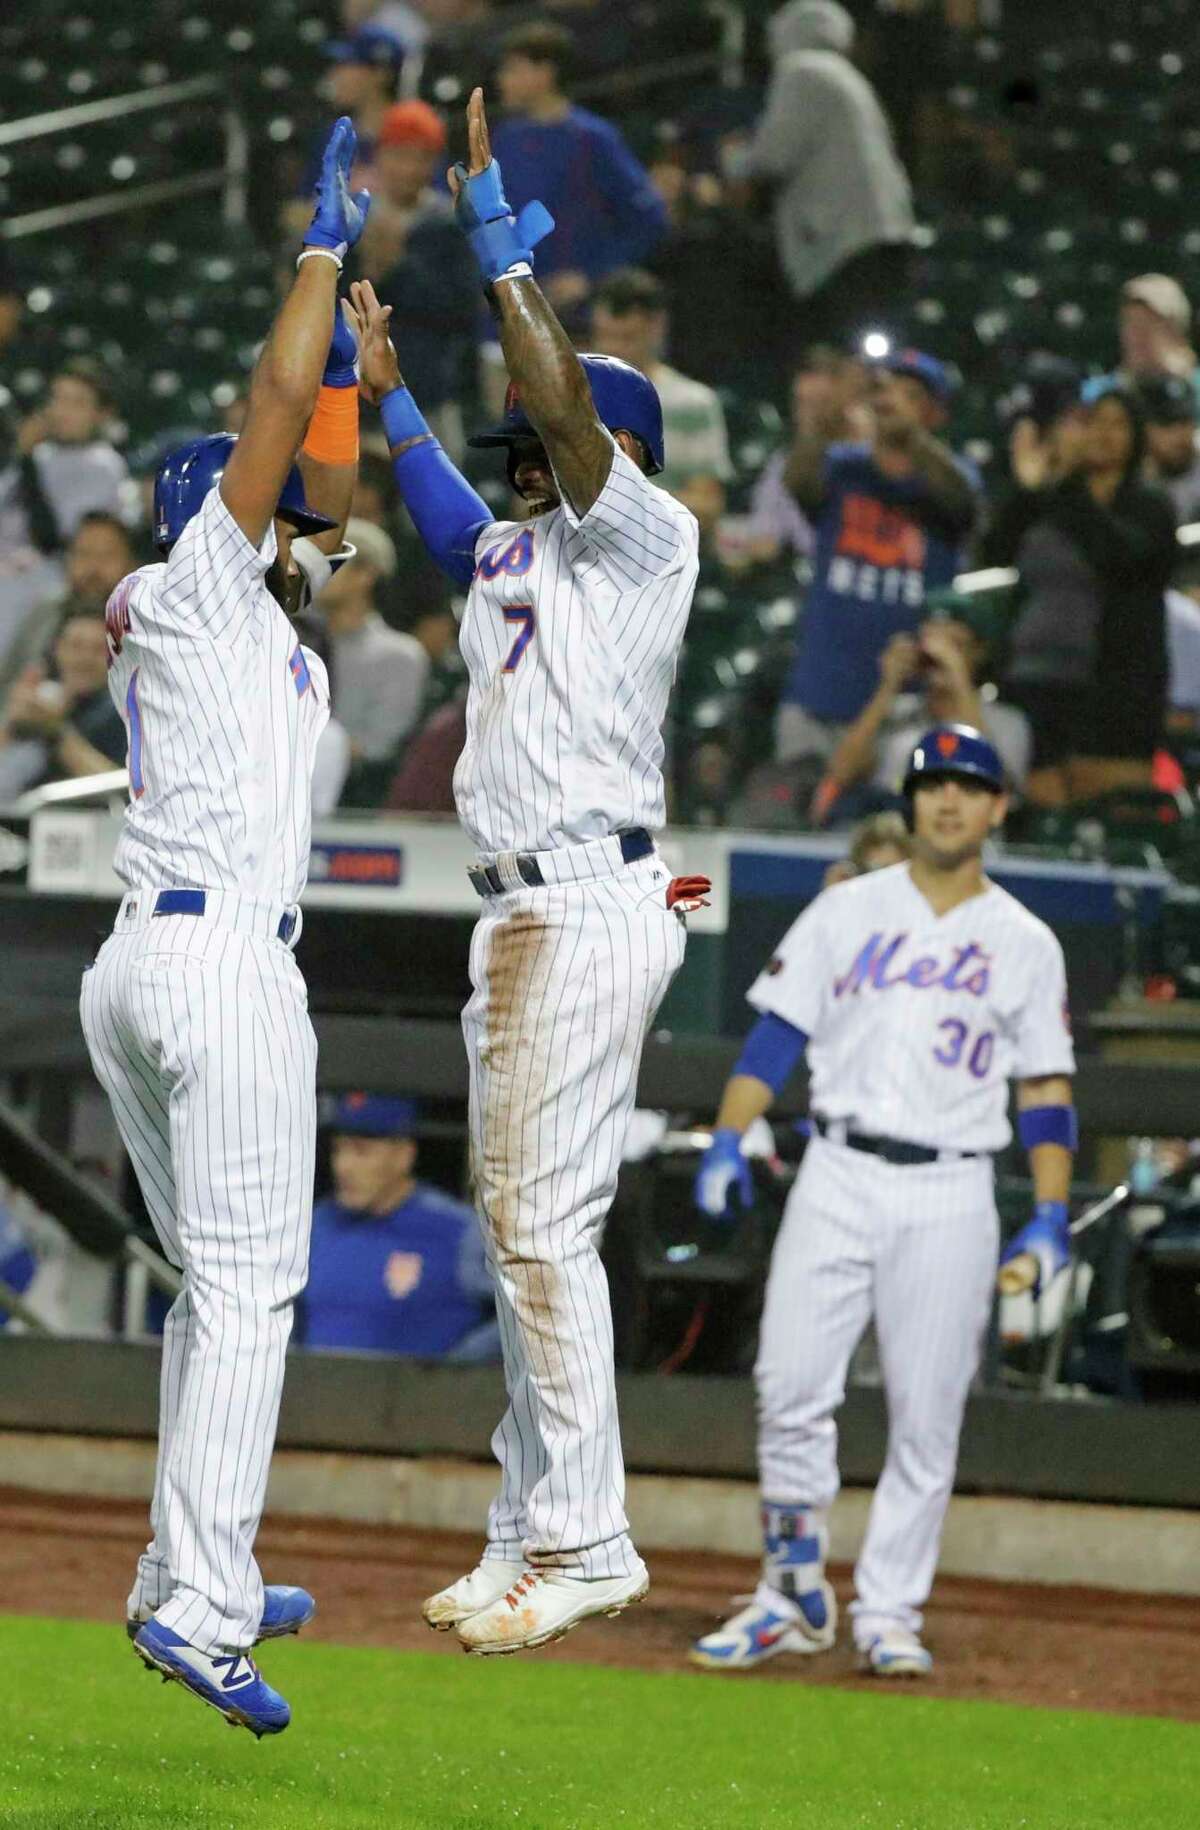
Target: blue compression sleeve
x,y
447,513
771,1051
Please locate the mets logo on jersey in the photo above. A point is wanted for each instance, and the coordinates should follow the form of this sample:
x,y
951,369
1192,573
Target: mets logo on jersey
x,y
513,558
298,668
402,1273
878,967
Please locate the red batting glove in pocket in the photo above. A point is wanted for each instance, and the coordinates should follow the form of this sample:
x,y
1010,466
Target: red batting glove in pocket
x,y
688,893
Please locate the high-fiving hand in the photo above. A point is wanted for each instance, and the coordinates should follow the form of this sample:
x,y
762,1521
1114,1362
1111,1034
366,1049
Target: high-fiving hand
x,y
379,369
479,144
339,216
502,242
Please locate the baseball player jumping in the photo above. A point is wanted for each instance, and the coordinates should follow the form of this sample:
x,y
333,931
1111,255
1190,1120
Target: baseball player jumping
x,y
195,1011
919,991
573,622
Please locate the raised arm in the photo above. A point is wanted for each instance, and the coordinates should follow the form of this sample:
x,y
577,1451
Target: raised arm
x,y
950,489
856,753
329,455
446,511
541,362
287,377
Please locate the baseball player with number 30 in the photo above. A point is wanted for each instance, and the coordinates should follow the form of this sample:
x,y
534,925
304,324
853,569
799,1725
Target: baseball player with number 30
x,y
195,1011
572,626
919,991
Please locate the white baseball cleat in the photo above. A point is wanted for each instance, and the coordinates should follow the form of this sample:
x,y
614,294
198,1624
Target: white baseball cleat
x,y
487,1582
896,1653
758,1633
543,1604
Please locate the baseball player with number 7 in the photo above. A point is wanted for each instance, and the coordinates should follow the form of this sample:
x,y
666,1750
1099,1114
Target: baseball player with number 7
x,y
919,992
572,626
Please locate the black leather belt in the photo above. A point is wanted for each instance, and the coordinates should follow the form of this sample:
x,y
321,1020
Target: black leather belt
x,y
192,902
487,881
891,1149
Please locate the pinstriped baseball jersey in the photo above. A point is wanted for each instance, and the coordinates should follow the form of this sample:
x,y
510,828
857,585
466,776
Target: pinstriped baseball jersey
x,y
197,1024
916,1022
224,708
571,634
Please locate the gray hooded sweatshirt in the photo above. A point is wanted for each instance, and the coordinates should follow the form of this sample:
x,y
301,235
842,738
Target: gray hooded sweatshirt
x,y
825,140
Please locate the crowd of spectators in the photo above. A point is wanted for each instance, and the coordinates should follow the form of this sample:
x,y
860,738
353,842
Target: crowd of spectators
x,y
770,244
760,266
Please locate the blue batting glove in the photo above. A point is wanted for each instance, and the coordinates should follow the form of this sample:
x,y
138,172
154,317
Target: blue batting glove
x,y
339,218
340,363
1047,1237
722,1170
499,240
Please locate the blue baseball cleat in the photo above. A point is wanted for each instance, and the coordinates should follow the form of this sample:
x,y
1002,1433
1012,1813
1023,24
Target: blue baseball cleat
x,y
285,1610
758,1633
229,1682
896,1653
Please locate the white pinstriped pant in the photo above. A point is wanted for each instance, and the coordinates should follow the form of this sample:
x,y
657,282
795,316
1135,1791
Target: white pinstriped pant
x,y
914,1246
200,1036
567,979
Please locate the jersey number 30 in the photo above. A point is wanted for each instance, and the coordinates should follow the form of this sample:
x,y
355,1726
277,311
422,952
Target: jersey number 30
x,y
521,618
950,1052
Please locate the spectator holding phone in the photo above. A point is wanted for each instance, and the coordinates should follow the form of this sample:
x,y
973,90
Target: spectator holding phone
x,y
926,679
890,511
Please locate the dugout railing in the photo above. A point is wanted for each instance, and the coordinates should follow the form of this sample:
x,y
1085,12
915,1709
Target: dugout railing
x,y
681,1076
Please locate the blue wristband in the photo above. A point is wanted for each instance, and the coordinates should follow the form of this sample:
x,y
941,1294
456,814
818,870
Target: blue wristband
x,y
402,418
1048,1125
1053,1214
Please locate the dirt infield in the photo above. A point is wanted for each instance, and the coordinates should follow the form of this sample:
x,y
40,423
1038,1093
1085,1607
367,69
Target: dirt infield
x,y
1063,1647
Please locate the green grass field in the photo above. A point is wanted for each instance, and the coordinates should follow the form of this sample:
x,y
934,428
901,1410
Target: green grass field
x,y
418,1742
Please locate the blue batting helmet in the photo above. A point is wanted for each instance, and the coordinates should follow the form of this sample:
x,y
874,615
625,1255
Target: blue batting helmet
x,y
186,476
954,749
625,401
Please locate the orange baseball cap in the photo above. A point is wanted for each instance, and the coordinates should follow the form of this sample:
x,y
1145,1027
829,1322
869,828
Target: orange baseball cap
x,y
413,123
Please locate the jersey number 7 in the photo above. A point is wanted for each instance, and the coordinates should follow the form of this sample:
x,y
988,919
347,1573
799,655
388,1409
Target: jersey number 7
x,y
521,617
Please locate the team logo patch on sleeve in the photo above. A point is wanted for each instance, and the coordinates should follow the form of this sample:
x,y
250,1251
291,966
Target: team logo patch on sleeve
x,y
774,966
298,667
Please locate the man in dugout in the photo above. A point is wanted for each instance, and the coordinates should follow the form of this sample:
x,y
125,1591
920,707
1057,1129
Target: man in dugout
x,y
396,1266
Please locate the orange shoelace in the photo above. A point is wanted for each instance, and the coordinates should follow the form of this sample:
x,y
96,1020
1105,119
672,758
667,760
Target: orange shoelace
x,y
524,1585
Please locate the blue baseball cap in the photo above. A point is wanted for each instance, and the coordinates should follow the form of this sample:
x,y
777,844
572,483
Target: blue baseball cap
x,y
371,44
375,1115
932,374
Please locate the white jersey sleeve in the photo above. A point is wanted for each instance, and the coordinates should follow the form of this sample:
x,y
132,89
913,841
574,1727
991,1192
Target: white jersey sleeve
x,y
212,574
795,983
634,531
1043,1042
